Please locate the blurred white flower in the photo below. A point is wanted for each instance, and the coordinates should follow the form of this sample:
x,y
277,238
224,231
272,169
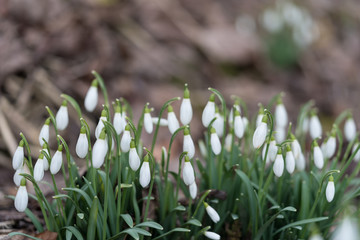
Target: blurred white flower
x,y
91,97
357,155
99,150
278,167
212,235
188,144
215,142
173,123
330,147
39,168
350,129
125,140
62,116
290,160
348,229
238,125
21,198
186,112
315,127
56,161
272,21
134,159
148,124
219,124
260,133
300,162
209,111
193,190
280,133
44,132
212,213
330,189
318,156
82,144
117,121
188,172
163,121
145,174
281,117
17,177
18,157
100,125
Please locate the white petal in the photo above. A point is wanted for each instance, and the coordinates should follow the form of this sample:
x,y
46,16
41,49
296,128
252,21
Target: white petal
x,y
330,147
212,235
46,162
203,149
123,121
44,133
300,162
62,118
278,167
357,155
125,141
330,191
290,162
188,146
145,174
260,135
148,123
315,127
56,162
305,125
228,141
219,124
245,122
259,119
21,199
239,127
82,146
134,159
193,190
91,99
99,152
188,173
318,157
18,158
348,230
173,122
215,143
208,113
296,148
281,117
117,123
272,152
186,112
350,129
163,121
316,237
39,170
17,177
99,126
280,133
212,214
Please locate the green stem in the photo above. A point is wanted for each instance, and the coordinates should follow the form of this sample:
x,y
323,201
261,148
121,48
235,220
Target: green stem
x,y
102,86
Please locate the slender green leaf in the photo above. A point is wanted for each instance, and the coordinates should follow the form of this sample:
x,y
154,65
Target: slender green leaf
x,y
128,219
150,224
23,234
73,102
184,230
91,230
194,222
301,222
74,231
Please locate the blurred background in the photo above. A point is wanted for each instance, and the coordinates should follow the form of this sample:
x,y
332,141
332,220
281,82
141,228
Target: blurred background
x,y
147,50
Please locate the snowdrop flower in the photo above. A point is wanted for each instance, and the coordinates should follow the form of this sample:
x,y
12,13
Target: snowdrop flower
x,y
62,116
318,156
219,123
46,161
281,116
238,125
186,112
212,235
173,123
188,144
278,167
316,236
330,189
17,177
280,133
212,213
82,144
100,125
148,125
193,190
357,155
228,140
56,161
305,125
215,142
117,121
330,146
300,162
99,150
202,148
188,172
260,133
21,198
44,132
260,115
290,160
209,111
315,126
145,174
295,146
231,114
39,168
245,122
163,121
18,157
273,149
348,230
134,159
350,129
91,97
126,139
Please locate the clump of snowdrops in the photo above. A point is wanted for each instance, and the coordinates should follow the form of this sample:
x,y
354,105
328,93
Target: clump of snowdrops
x,y
263,178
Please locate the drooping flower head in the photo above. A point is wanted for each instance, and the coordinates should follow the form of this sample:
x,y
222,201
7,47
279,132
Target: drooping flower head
x,y
278,167
99,150
290,159
295,146
281,117
188,172
173,123
18,157
148,125
330,189
44,132
209,111
212,235
238,125
215,142
91,98
117,121
193,190
39,168
17,177
260,133
315,126
350,128
186,112
126,139
218,123
188,144
134,159
21,198
56,161
82,144
62,116
272,151
318,156
330,146
145,175
100,125
214,216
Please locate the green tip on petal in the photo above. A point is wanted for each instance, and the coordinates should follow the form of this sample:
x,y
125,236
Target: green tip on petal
x,y
132,143
261,109
264,119
288,148
45,146
23,182
272,137
83,129
64,103
212,98
147,110
186,92
103,113
146,158
47,121
60,148
237,113
127,127
206,204
279,151
186,131
117,109
170,108
187,159
331,178
94,83
279,100
41,156
21,143
315,143
212,130
102,134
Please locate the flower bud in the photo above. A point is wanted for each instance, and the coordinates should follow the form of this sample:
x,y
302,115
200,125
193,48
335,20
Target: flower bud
x,y
280,133
44,132
315,127
125,140
193,190
18,157
330,147
62,116
188,144
145,174
56,161
295,146
215,142
91,97
219,124
172,120
260,133
271,155
290,160
278,167
39,168
281,117
100,125
188,172
300,162
209,111
148,125
21,198
82,144
330,189
212,235
99,150
238,125
134,159
212,213
318,156
186,112
117,121
350,129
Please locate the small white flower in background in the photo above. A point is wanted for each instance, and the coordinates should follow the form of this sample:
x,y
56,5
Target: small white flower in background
x,y
318,156
305,125
231,114
188,144
186,112
215,142
125,140
117,121
348,229
82,144
278,167
272,21
238,125
323,146
219,124
39,168
212,235
315,126
21,198
46,163
163,121
44,132
56,161
295,147
99,150
330,189
290,160
134,159
18,157
193,190
100,125
123,119
273,149
300,162
280,133
245,122
145,174
17,177
173,123
281,117
316,236
260,133
228,140
357,155
62,116
202,148
148,124
260,115
188,172
212,213
91,98
330,146
350,128
163,153
209,111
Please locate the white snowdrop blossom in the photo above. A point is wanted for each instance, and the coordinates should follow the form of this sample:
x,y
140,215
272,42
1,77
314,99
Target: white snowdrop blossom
x,y
305,125
278,167
21,198
18,157
330,189
82,144
228,141
188,144
260,115
134,159
215,142
202,148
186,112
125,140
100,125
17,177
193,190
163,121
350,129
300,162
44,132
281,117
91,98
280,133
330,147
173,123
318,156
39,168
219,124
117,121
99,150
260,133
290,160
148,124
357,155
145,174
245,122
46,163
231,114
214,216
295,146
271,155
315,127
316,236
212,235
56,161
348,230
188,172
209,111
238,125
62,116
